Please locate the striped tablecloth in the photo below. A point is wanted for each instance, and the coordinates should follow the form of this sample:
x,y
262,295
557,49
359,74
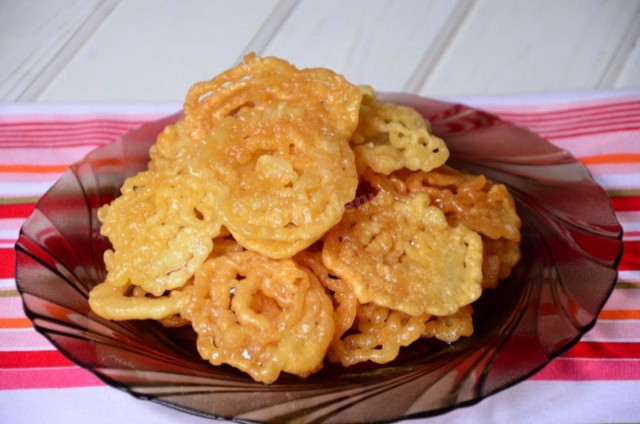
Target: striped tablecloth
x,y
596,381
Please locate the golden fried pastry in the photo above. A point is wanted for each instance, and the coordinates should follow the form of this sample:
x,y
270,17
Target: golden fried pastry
x,y
403,255
471,200
344,298
285,185
451,327
260,315
380,333
161,229
391,137
291,216
277,138
121,303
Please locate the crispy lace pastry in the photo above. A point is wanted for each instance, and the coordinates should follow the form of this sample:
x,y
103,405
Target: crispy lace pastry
x,y
391,137
260,315
238,228
471,200
452,327
402,254
277,138
174,151
257,81
120,303
344,298
378,335
161,229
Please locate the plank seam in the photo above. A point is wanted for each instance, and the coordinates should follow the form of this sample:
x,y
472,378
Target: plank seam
x,y
431,57
619,59
66,52
269,28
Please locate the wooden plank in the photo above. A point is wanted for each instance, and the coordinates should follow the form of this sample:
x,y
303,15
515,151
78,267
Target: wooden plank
x,y
380,43
269,28
536,46
148,50
31,35
432,54
628,75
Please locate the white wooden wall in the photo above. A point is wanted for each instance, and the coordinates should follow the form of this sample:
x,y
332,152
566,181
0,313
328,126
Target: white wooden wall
x,y
153,50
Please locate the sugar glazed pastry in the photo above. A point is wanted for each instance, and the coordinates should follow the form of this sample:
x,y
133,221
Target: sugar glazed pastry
x,y
246,226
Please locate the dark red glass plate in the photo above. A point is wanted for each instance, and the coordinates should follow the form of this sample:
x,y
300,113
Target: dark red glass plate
x,y
571,247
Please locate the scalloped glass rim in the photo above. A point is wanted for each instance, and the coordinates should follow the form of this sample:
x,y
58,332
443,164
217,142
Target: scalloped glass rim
x,y
572,244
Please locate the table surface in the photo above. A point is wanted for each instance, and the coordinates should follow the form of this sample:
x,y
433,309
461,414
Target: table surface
x,y
151,51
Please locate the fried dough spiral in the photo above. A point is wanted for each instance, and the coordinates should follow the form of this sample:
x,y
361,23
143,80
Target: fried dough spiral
x,y
471,200
131,302
260,315
277,138
391,137
161,229
380,333
344,298
257,81
403,255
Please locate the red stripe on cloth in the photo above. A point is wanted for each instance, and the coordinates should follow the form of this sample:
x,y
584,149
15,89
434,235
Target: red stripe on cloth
x,y
7,262
16,210
560,113
45,378
91,143
589,370
564,134
626,203
49,130
44,358
81,122
584,123
610,350
630,256
577,121
59,137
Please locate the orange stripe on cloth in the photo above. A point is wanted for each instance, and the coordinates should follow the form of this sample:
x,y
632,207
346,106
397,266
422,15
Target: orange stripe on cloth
x,y
620,314
33,169
15,323
610,158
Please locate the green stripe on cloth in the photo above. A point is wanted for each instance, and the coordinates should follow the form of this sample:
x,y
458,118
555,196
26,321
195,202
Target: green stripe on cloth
x,y
623,193
627,285
15,200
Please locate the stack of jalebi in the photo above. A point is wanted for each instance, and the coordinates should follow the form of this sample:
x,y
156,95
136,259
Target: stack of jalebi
x,y
247,226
